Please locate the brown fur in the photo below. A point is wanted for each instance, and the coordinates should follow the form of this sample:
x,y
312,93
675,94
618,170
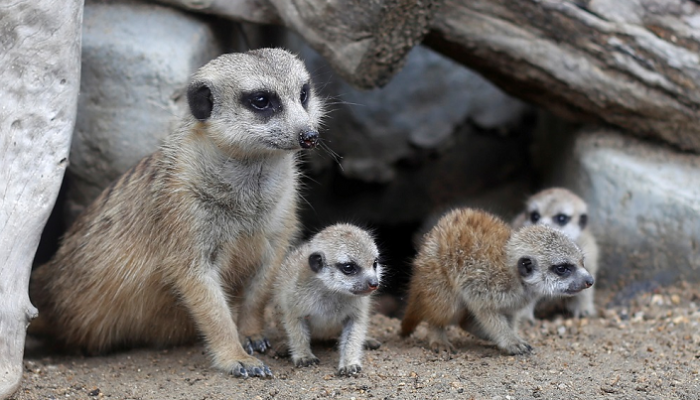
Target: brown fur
x,y
184,243
467,272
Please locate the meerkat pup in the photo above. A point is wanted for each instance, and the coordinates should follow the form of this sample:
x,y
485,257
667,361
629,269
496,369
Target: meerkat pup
x,y
561,209
323,291
473,270
181,246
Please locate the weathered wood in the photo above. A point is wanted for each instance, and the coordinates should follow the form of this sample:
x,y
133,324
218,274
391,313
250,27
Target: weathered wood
x,y
366,42
255,11
39,77
630,63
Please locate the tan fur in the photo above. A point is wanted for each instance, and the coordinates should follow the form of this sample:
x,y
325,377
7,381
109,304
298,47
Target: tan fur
x,y
183,244
548,204
467,272
316,299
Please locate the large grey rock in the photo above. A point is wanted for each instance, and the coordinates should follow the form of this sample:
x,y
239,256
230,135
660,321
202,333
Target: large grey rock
x,y
39,76
137,59
644,201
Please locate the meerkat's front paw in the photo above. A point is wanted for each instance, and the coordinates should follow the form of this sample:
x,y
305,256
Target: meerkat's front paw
x,y
248,367
257,343
349,370
372,343
521,347
305,361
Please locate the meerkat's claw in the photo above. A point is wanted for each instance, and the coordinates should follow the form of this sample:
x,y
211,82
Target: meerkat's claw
x,y
350,370
372,344
239,371
518,348
306,361
244,371
260,345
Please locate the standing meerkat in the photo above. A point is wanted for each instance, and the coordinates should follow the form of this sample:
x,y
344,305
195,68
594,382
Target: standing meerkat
x,y
182,244
561,209
322,291
473,270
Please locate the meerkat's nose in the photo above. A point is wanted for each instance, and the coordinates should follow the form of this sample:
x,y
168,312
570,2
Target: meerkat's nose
x,y
373,283
308,139
589,281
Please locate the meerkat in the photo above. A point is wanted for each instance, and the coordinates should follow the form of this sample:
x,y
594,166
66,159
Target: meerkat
x,y
472,269
323,291
561,209
183,244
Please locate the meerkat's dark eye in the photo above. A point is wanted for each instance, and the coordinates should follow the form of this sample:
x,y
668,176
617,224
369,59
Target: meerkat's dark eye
x,y
260,101
583,221
375,264
562,270
525,266
348,268
534,217
304,96
562,219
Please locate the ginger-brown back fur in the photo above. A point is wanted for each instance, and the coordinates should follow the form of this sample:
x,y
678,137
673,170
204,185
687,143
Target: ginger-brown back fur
x,y
466,247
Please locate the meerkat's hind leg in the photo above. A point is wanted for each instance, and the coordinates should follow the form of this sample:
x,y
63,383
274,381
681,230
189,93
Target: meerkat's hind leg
x,y
438,341
502,331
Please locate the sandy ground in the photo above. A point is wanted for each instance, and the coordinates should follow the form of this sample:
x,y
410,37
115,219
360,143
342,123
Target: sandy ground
x,y
647,349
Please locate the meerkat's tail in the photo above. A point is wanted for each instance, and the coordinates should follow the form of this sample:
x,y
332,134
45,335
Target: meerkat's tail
x,y
411,319
39,326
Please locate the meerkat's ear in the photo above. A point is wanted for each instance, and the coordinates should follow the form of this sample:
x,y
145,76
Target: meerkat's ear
x,y
526,265
583,221
200,100
316,261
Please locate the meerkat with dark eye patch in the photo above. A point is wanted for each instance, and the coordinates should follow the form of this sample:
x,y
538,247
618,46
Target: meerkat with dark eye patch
x,y
561,209
473,270
323,292
183,244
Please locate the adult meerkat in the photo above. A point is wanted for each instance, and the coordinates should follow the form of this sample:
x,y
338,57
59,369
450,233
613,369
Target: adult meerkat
x,y
472,269
182,244
561,209
322,291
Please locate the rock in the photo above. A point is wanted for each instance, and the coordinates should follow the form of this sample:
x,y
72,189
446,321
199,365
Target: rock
x,y
644,204
137,59
39,77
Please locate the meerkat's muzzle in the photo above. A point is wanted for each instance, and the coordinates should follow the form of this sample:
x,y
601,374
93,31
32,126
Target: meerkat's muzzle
x,y
308,139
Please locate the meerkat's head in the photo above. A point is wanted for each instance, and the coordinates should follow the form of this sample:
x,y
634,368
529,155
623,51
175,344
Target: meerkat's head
x,y
549,263
257,102
345,258
558,208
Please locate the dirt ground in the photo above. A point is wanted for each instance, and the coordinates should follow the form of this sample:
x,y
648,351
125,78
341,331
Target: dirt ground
x,y
646,349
